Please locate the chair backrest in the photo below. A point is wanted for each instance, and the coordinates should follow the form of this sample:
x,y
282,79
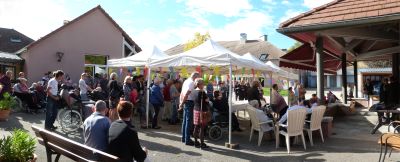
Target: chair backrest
x,y
316,117
253,118
69,148
295,121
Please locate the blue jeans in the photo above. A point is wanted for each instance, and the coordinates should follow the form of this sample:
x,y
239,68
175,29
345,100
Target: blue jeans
x,y
51,112
84,97
187,121
154,121
174,115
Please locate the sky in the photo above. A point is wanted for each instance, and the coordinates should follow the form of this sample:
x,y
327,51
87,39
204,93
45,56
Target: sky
x,y
164,23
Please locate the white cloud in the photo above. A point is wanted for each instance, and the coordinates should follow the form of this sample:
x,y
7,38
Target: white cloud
x,y
315,3
32,18
253,23
285,2
289,14
271,2
220,7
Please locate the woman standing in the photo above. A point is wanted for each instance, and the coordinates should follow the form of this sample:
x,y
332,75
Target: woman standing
x,y
115,92
127,88
200,113
302,93
291,97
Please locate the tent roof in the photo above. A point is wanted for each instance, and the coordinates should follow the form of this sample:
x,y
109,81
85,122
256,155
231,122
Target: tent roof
x,y
139,59
208,54
304,58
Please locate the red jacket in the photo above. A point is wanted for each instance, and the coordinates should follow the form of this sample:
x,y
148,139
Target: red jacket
x,y
166,94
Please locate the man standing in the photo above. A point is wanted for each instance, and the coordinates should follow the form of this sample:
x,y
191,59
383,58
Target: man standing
x,y
52,100
95,127
5,82
187,103
156,99
368,88
84,87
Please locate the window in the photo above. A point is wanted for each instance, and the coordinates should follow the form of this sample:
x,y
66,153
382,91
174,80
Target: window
x,y
15,40
96,59
264,57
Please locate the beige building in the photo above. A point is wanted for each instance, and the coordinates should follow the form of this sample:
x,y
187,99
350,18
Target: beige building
x,y
83,44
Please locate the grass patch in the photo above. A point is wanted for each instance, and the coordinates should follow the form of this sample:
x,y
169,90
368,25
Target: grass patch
x,y
282,92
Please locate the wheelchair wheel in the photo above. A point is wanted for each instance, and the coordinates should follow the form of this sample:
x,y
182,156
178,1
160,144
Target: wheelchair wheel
x,y
215,133
19,106
70,120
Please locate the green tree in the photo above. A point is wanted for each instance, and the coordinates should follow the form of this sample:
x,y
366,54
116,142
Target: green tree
x,y
294,46
196,41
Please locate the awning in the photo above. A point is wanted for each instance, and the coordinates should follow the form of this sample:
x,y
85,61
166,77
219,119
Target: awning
x,y
9,57
304,58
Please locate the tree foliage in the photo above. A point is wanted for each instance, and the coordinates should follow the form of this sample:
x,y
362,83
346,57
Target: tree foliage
x,y
294,46
196,41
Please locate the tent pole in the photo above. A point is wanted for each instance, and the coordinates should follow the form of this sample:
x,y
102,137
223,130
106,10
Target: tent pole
x,y
148,96
270,87
230,104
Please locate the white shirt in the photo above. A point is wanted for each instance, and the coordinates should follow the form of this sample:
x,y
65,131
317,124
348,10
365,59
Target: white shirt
x,y
83,86
188,85
53,84
284,117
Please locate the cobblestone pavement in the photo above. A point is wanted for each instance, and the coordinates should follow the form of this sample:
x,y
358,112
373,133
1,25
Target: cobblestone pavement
x,y
351,141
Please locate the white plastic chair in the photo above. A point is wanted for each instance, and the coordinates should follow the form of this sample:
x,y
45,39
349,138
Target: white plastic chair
x,y
294,127
259,122
315,122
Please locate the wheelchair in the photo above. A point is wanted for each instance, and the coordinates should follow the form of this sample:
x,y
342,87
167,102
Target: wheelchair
x,y
218,125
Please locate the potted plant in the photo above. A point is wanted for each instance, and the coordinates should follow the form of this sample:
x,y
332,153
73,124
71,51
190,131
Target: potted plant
x,y
6,104
19,147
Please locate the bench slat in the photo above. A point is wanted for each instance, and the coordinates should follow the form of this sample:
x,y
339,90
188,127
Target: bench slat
x,y
74,150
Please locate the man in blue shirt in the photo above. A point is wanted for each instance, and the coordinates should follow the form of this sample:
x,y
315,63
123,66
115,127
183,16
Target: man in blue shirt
x,y
95,127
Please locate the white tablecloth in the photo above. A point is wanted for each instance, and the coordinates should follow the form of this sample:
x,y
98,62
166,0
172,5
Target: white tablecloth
x,y
239,105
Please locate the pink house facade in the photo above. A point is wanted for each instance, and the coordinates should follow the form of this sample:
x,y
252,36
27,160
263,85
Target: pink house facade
x,y
67,48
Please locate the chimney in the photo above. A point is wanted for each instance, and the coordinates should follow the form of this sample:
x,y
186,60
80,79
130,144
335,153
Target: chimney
x,y
264,37
243,38
65,22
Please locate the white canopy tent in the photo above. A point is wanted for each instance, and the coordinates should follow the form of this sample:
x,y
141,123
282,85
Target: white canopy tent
x,y
141,59
283,73
209,54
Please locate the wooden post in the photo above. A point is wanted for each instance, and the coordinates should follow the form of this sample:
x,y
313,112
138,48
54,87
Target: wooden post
x,y
355,92
396,71
319,45
344,78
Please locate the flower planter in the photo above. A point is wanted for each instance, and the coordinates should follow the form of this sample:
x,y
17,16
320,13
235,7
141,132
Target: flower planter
x,y
4,114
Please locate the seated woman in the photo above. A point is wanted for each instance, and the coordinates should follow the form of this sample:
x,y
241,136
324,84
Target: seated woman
x,y
314,99
21,90
221,111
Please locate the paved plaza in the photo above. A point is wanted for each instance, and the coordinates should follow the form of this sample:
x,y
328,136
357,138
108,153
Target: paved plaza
x,y
351,141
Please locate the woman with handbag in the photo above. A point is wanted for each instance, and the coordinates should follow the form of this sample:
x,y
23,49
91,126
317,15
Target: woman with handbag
x,y
115,92
201,115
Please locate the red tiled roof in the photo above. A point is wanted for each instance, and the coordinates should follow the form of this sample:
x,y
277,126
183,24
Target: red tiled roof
x,y
345,10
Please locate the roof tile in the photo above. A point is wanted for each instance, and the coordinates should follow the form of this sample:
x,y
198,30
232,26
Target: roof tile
x,y
345,10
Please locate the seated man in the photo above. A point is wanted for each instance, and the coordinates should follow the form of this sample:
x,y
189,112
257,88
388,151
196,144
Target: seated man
x,y
304,104
221,110
123,140
95,127
331,98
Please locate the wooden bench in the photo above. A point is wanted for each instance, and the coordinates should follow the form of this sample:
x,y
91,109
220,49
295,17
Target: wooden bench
x,y
58,145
